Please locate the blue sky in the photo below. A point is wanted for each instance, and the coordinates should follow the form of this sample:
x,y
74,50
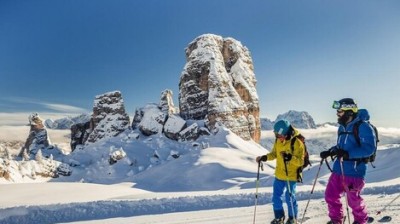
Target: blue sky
x,y
56,56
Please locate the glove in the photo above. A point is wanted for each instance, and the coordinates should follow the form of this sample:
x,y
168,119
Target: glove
x,y
342,153
330,152
333,150
263,158
325,154
286,156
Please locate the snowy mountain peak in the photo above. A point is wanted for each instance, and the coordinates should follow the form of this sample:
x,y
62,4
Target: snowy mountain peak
x,y
299,119
67,122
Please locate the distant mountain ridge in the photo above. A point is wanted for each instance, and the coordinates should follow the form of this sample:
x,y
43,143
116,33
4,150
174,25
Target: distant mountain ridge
x,y
66,122
299,119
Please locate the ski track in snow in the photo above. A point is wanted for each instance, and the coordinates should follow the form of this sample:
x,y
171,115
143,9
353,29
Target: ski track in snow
x,y
239,209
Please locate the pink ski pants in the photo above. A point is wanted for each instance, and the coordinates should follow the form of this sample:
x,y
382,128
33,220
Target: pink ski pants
x,y
334,190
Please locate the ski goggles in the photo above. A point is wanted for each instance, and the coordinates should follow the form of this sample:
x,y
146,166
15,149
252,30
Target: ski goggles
x,y
343,106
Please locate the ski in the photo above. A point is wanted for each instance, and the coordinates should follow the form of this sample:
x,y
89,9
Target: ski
x,y
383,219
370,219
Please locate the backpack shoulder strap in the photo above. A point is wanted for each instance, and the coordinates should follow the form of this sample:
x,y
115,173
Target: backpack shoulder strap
x,y
376,132
301,138
356,131
292,143
356,128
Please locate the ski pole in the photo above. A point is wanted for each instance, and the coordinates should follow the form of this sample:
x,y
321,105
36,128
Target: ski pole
x,y
288,188
260,165
312,190
291,197
345,187
384,208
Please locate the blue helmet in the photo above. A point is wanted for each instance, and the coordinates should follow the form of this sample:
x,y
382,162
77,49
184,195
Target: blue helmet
x,y
282,127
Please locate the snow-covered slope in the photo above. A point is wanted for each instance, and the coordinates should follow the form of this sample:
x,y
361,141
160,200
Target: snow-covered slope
x,y
209,175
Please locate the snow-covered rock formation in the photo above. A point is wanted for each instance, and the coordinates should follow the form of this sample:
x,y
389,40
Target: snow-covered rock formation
x,y
36,157
218,85
79,134
37,138
166,102
153,119
109,117
160,119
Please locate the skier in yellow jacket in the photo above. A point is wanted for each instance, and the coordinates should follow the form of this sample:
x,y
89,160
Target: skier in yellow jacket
x,y
288,162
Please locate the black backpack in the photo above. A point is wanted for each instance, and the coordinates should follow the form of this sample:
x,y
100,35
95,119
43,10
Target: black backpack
x,y
306,156
356,127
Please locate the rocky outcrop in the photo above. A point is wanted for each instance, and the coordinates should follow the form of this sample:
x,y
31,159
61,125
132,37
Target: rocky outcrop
x,y
218,85
190,133
109,117
116,155
173,126
137,117
79,134
155,121
166,102
152,121
152,118
37,139
156,114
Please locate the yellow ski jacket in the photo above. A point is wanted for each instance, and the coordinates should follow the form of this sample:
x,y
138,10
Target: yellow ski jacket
x,y
292,165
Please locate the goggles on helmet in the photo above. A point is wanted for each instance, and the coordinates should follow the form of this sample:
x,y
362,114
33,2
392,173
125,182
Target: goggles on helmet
x,y
343,106
336,105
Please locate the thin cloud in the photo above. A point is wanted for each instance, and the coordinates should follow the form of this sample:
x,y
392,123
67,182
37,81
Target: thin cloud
x,y
64,108
52,106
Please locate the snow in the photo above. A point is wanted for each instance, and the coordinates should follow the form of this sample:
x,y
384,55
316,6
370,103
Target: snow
x,y
212,182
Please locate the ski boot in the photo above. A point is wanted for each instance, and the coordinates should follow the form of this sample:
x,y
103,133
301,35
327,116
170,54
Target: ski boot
x,y
333,222
278,221
291,221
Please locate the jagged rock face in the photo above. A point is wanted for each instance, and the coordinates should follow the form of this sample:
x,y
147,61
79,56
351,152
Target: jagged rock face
x,y
218,85
137,117
190,133
79,134
109,117
166,102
